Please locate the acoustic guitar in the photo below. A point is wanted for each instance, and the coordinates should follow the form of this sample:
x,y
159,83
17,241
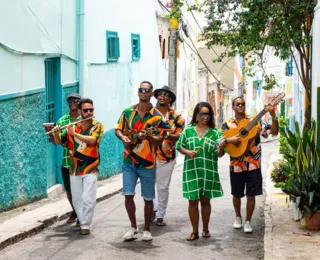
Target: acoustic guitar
x,y
133,134
246,130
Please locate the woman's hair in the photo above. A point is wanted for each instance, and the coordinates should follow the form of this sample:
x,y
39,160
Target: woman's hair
x,y
196,111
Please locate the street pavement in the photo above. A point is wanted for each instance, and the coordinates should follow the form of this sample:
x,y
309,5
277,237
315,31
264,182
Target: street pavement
x,y
62,241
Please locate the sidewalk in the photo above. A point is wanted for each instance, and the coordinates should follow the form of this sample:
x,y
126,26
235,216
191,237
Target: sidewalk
x,y
31,219
285,238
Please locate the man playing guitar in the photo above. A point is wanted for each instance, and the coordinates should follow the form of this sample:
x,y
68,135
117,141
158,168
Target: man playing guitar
x,y
245,171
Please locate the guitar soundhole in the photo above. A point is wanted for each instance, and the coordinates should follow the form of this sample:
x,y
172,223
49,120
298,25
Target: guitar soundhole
x,y
243,132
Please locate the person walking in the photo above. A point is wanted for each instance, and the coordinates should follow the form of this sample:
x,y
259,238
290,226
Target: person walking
x,y
166,153
83,141
245,171
200,143
135,129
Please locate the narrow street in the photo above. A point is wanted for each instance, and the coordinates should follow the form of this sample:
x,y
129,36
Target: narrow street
x,y
62,241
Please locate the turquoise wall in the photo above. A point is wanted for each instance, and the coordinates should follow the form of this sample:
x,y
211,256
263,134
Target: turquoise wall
x,y
23,175
111,155
23,172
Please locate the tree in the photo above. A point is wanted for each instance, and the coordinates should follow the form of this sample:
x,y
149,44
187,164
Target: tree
x,y
246,26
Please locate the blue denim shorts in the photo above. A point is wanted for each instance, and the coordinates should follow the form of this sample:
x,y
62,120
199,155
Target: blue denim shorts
x,y
130,175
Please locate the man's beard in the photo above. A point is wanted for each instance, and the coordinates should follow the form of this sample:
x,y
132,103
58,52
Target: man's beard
x,y
162,104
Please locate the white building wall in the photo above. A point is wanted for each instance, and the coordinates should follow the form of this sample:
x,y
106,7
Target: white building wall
x,y
38,29
114,86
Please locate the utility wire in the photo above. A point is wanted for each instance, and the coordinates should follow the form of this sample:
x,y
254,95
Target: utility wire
x,y
224,64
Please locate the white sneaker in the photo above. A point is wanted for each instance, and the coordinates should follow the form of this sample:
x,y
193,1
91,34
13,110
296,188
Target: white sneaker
x,y
146,236
247,227
238,223
130,234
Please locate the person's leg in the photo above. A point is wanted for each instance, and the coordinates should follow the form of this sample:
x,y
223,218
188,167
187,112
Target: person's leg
x,y
129,180
253,188
147,180
205,213
164,173
251,202
237,180
89,199
77,190
66,182
194,218
237,206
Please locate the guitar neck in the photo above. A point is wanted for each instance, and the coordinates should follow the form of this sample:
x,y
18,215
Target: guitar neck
x,y
254,121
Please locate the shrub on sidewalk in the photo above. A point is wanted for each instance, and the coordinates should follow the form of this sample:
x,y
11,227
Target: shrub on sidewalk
x,y
302,163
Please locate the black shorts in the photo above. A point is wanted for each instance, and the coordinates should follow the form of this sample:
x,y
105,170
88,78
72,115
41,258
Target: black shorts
x,y
66,178
247,182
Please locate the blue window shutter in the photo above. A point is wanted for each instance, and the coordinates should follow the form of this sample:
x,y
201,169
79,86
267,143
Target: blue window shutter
x,y
116,48
135,47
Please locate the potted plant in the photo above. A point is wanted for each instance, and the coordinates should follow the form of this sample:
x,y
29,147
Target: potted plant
x,y
303,183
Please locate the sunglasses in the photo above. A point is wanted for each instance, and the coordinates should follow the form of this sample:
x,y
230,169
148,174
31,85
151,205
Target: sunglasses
x,y
144,90
204,115
242,104
73,100
163,93
86,110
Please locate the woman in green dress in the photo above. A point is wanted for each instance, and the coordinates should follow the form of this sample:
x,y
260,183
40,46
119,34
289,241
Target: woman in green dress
x,y
200,144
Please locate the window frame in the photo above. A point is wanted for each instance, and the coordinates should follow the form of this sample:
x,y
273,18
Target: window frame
x,y
112,39
135,37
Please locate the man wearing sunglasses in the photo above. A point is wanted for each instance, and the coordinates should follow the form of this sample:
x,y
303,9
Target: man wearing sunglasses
x,y
245,172
73,115
83,141
139,156
166,153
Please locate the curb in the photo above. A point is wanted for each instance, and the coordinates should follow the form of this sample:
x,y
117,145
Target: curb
x,y
47,222
268,240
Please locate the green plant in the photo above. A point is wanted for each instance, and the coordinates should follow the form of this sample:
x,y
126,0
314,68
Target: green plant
x,y
303,161
279,174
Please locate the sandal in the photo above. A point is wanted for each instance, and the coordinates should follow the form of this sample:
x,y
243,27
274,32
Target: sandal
x,y
193,236
206,234
161,224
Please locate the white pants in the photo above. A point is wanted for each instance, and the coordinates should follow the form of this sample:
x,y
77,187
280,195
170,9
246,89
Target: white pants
x,y
84,192
163,179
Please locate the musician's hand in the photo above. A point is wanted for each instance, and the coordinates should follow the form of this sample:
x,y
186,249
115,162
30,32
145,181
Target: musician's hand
x,y
126,141
191,154
236,140
71,130
56,130
142,135
48,128
149,131
223,144
271,110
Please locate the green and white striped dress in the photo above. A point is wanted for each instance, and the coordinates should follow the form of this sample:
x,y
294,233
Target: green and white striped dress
x,y
200,174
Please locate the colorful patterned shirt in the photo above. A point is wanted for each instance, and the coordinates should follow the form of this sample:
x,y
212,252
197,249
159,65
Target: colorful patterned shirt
x,y
62,121
144,153
167,152
85,158
251,160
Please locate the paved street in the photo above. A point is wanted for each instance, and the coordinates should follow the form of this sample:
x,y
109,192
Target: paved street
x,y
62,241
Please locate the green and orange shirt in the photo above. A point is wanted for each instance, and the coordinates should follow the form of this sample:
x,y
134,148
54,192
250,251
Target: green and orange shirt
x,y
251,160
62,121
172,120
144,153
85,158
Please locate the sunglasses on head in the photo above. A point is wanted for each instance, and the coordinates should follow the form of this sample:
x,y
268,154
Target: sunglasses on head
x,y
242,104
73,100
204,115
163,93
86,110
144,90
